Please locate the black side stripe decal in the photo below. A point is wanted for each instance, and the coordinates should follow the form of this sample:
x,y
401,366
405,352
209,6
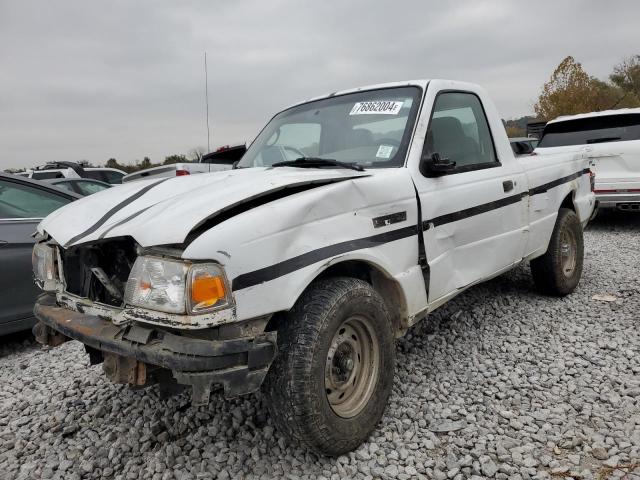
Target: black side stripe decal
x,y
470,212
296,263
548,186
502,202
285,267
113,211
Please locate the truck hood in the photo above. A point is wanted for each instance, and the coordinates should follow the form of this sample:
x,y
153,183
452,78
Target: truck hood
x,y
166,211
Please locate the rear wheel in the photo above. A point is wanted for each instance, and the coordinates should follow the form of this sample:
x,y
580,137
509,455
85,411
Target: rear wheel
x,y
558,271
330,383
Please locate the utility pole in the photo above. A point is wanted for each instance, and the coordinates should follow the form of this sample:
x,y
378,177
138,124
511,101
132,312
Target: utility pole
x,y
206,96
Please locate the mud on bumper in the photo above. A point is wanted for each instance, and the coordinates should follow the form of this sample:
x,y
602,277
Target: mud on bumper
x,y
238,364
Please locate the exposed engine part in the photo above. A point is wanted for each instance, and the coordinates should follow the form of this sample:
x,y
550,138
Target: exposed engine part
x,y
99,271
107,283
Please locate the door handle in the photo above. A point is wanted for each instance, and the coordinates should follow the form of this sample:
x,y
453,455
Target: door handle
x,y
507,185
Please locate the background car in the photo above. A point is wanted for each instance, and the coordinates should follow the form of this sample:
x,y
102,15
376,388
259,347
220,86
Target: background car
x,y
611,139
23,203
222,159
82,186
523,145
73,170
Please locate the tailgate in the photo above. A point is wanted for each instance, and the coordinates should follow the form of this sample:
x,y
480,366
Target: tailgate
x,y
617,168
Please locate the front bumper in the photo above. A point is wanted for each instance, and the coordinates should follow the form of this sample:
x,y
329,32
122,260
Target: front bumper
x,y
238,364
621,201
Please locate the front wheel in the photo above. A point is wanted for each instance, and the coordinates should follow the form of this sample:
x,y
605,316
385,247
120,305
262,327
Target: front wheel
x,y
330,383
558,271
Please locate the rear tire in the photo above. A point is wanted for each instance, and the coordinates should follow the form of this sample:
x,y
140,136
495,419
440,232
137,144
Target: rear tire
x,y
558,271
330,383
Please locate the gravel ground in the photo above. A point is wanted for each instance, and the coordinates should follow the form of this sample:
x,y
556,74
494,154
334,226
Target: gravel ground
x,y
499,383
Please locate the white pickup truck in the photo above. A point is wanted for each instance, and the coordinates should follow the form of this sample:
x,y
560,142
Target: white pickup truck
x,y
218,161
301,272
611,140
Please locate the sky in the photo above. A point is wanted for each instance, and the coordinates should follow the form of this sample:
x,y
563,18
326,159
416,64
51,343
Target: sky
x,y
89,81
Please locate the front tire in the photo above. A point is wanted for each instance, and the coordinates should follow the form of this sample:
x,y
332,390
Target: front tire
x,y
330,383
558,271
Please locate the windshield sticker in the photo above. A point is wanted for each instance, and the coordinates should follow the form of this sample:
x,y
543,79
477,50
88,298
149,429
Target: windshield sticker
x,y
384,151
380,107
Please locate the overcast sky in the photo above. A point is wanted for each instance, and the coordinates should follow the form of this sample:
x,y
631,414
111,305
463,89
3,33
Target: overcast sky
x,y
94,80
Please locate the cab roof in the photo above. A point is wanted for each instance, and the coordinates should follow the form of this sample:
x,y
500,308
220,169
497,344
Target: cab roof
x,y
407,83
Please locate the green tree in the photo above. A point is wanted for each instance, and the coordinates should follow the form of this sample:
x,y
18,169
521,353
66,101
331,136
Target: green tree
x,y
570,90
626,76
145,163
175,159
112,163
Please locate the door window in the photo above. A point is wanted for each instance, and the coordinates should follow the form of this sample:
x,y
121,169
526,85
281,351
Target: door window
x,y
66,186
459,131
48,175
87,187
112,177
24,201
95,175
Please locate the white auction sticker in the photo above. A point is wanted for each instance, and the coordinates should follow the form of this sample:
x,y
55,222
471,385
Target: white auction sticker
x,y
379,107
384,151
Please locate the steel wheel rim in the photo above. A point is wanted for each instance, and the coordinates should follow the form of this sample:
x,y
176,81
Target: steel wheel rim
x,y
568,252
352,367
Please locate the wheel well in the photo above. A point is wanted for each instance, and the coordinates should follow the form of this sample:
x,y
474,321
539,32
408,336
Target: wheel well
x,y
388,288
568,202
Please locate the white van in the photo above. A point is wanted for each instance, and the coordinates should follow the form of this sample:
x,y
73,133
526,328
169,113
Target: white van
x,y
611,139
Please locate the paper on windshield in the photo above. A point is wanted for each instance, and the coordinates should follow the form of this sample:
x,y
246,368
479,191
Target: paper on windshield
x,y
379,107
384,151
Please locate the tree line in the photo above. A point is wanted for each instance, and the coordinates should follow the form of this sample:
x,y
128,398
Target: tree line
x,y
194,156
571,90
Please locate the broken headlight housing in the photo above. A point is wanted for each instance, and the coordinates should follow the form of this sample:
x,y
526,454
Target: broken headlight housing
x,y
173,286
43,263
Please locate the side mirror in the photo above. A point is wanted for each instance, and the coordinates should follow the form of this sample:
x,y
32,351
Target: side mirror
x,y
523,148
234,165
435,165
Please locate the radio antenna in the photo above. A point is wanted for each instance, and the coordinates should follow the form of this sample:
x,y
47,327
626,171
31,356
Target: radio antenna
x,y
206,96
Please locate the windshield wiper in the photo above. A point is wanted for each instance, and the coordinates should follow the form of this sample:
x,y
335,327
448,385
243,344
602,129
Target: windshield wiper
x,y
316,162
602,140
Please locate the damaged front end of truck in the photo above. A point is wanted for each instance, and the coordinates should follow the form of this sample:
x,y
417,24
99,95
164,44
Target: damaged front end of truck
x,y
99,293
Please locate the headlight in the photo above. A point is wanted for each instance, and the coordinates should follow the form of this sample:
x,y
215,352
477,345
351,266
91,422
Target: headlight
x,y
173,286
42,261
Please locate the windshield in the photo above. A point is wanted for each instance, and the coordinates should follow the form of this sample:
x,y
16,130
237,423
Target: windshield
x,y
371,129
586,131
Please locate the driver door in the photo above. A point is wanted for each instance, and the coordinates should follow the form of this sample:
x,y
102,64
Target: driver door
x,y
473,216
